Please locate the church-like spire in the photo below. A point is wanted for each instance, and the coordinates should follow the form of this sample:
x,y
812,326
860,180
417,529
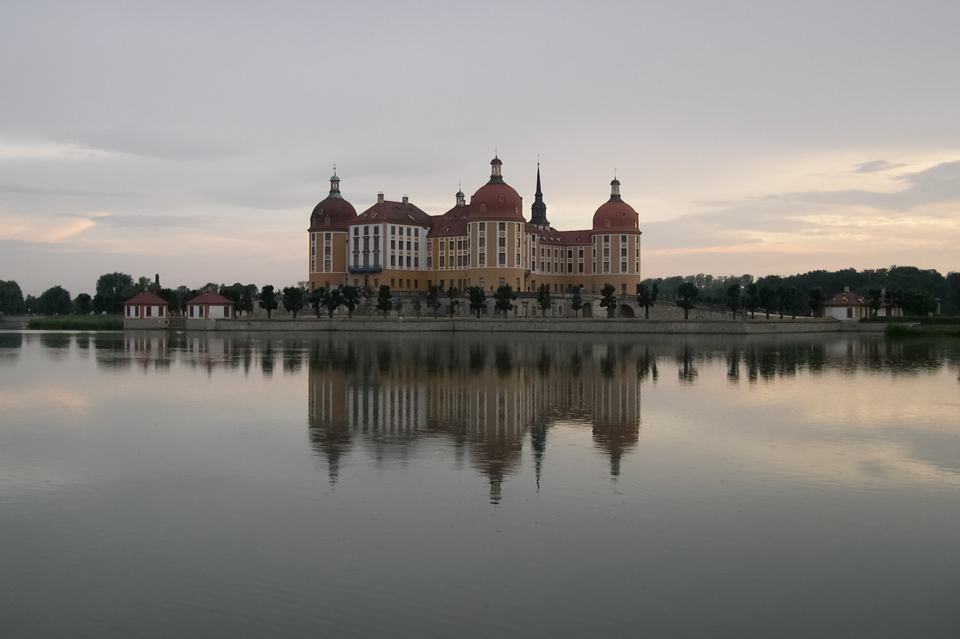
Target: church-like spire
x,y
496,177
335,184
538,211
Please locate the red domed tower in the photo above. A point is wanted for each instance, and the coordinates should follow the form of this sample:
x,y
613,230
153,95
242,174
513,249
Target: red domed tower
x,y
329,224
616,244
496,200
616,215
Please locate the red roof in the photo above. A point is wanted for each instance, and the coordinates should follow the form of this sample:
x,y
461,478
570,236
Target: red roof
x,y
210,298
619,215
146,299
846,299
443,226
496,201
405,213
332,214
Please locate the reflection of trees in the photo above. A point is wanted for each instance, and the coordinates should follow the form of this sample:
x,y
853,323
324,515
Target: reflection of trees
x,y
688,369
10,345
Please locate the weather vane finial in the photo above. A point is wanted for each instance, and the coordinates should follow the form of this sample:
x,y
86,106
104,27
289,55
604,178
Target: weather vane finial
x,y
334,168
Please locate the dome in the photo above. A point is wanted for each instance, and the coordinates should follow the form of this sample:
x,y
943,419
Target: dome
x,y
616,215
496,199
334,213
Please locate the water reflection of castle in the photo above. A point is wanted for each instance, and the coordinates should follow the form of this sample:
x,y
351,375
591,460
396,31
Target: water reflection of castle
x,y
484,397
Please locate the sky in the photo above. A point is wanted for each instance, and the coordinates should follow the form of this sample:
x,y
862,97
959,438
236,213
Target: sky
x,y
193,139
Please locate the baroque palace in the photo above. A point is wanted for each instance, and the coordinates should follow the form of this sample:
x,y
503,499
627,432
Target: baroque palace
x,y
485,242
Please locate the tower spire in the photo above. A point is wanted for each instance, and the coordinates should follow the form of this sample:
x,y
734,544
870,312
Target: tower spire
x,y
335,184
538,211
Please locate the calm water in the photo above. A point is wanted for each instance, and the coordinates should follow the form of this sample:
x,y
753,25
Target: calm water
x,y
514,486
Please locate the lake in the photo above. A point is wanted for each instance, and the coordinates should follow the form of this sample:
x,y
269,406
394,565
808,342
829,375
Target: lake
x,y
402,485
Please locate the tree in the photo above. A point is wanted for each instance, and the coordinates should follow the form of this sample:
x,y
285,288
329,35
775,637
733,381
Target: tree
x,y
384,300
794,300
268,299
433,298
245,305
478,298
608,299
56,301
733,299
454,302
918,303
751,301
83,304
368,293
783,297
293,299
503,299
398,306
331,299
686,297
576,301
816,300
113,289
875,301
351,298
31,305
417,303
315,300
544,301
11,298
647,297
768,299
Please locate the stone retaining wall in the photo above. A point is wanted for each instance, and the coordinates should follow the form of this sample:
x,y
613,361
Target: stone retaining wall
x,y
465,325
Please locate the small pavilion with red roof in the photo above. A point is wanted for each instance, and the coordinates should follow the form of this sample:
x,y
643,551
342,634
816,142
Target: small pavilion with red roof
x,y
210,305
146,308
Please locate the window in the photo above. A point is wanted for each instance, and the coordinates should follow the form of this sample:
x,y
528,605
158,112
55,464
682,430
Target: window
x,y
408,244
517,262
623,267
623,251
580,253
393,231
503,259
623,288
430,262
483,226
376,231
503,226
326,250
443,245
416,262
442,265
326,236
366,230
393,260
482,242
482,258
416,246
503,242
376,244
408,261
581,268
327,267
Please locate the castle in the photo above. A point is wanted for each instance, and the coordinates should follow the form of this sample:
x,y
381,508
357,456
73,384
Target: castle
x,y
485,242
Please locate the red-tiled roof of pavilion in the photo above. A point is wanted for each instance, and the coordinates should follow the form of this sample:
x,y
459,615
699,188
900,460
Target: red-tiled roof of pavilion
x,y
210,297
846,299
146,299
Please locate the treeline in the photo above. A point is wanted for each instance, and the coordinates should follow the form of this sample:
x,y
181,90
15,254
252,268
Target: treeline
x,y
912,288
111,291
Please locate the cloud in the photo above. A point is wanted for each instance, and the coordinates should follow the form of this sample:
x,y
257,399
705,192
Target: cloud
x,y
160,143
32,190
939,183
876,166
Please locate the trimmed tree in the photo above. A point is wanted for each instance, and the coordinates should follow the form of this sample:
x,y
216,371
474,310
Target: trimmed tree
x,y
576,301
478,298
268,299
608,299
351,296
544,301
315,300
686,297
293,300
647,297
454,302
504,299
417,304
433,298
331,299
384,300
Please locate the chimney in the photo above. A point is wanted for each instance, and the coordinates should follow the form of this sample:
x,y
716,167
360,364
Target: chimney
x,y
406,200
380,197
846,289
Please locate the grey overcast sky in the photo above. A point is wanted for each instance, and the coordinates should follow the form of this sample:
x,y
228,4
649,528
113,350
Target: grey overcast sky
x,y
193,139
